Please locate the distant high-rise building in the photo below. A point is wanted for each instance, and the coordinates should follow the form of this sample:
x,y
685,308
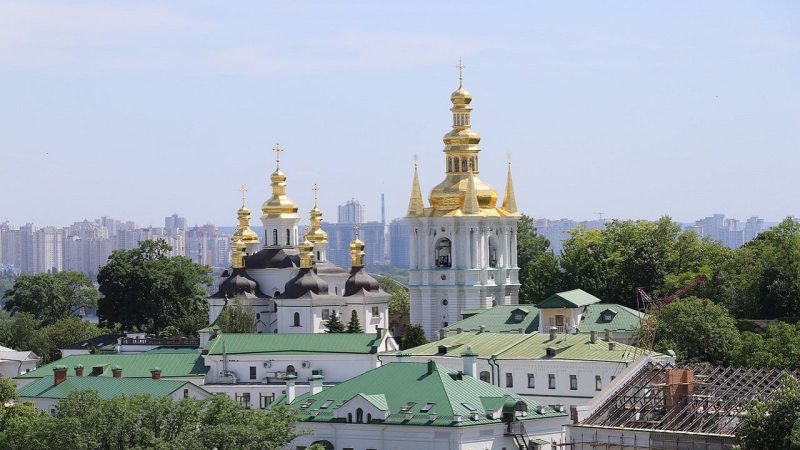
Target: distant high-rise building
x,y
374,236
351,212
399,243
174,221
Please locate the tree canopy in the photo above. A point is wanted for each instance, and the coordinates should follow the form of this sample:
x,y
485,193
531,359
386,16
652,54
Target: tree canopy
x,y
51,297
354,326
400,302
773,422
413,336
334,323
237,317
146,289
539,274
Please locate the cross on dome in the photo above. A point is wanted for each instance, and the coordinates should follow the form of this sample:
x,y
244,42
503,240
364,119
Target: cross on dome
x,y
460,68
277,149
243,190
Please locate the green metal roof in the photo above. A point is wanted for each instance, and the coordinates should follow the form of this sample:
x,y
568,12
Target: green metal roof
x,y
569,299
527,346
294,343
105,387
504,319
173,365
444,391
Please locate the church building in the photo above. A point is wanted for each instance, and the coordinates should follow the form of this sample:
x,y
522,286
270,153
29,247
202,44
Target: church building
x,y
463,246
288,280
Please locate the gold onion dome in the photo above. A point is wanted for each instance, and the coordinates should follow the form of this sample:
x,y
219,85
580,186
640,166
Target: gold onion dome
x,y
316,234
306,252
244,232
357,252
461,96
279,205
238,250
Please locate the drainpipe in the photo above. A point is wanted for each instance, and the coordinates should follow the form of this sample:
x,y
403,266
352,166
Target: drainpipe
x,y
491,363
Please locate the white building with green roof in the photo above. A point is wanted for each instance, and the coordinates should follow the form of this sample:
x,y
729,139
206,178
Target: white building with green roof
x,y
422,406
567,369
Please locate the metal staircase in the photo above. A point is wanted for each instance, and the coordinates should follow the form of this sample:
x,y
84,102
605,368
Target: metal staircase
x,y
517,431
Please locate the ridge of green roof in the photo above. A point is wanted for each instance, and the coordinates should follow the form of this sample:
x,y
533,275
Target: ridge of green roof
x,y
406,388
293,343
106,387
568,299
174,365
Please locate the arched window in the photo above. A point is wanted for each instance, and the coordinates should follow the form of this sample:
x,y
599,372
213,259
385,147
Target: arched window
x,y
455,164
494,252
296,319
485,376
472,164
369,417
464,164
290,369
442,253
288,237
349,417
274,237
360,415
449,164
318,255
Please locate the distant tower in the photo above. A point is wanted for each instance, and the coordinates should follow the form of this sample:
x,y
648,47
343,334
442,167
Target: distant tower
x,y
383,210
463,248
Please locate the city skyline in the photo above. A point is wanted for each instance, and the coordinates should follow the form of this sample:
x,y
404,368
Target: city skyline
x,y
141,109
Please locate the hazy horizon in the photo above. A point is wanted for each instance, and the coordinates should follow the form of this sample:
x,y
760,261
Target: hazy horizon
x,y
137,110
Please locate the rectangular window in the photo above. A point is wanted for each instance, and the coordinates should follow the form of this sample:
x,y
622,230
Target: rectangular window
x,y
265,400
531,381
573,382
509,380
375,311
185,393
551,381
252,372
326,313
598,383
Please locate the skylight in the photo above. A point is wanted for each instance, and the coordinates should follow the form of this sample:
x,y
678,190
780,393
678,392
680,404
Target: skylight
x,y
469,407
408,406
427,407
326,404
308,403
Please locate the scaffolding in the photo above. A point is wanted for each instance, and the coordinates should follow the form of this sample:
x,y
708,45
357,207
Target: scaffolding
x,y
662,407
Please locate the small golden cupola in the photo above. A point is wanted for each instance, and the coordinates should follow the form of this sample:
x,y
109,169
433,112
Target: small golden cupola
x,y
248,236
461,162
306,252
238,250
357,251
316,234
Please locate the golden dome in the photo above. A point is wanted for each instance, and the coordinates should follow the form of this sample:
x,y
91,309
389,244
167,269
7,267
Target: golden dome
x,y
244,232
450,193
279,205
461,96
306,252
316,234
237,250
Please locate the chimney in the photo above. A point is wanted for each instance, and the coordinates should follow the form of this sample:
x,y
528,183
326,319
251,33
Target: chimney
x,y
116,371
378,331
593,337
59,374
155,373
521,330
403,357
609,335
470,358
290,380
553,333
315,381
483,328
459,330
216,332
442,333
612,346
573,413
79,370
680,383
431,367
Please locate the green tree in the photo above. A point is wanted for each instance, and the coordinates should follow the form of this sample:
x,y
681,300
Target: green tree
x,y
777,348
22,332
413,336
539,274
147,289
773,422
334,324
697,330
237,318
50,298
68,331
354,326
400,302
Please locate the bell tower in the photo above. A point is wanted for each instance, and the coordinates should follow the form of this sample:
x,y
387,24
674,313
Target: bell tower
x,y
463,246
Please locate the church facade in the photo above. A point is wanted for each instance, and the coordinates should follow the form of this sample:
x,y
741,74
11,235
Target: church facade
x,y
287,277
463,245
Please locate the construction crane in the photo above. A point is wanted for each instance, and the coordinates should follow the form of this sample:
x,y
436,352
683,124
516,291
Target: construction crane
x,y
648,322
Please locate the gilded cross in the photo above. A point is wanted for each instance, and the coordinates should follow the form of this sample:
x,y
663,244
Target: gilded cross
x,y
243,190
415,160
277,149
460,68
356,227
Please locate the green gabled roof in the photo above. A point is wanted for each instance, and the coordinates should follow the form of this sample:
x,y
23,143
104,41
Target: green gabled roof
x,y
420,383
624,319
379,400
294,343
527,346
575,298
173,365
498,319
105,387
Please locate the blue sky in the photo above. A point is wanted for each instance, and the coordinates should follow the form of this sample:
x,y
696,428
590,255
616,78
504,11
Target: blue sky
x,y
139,109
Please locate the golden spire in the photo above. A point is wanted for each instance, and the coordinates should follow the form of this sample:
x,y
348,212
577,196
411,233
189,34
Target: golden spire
x,y
316,234
306,251
243,231
357,251
470,207
415,205
460,68
509,200
279,206
237,250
